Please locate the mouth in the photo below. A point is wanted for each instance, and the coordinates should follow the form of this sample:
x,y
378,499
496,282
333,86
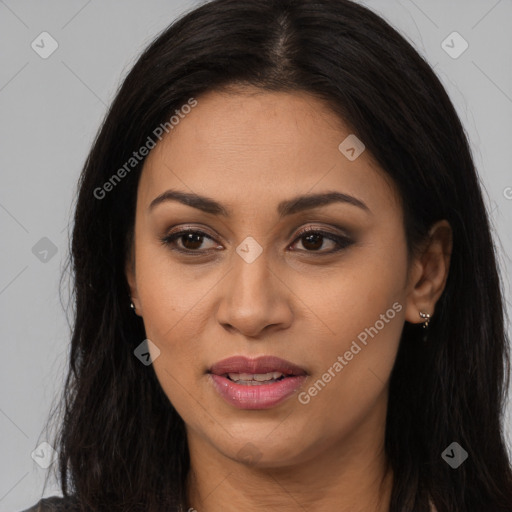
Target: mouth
x,y
254,379
256,383
247,371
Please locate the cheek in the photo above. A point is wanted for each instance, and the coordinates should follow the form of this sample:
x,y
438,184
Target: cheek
x,y
361,321
170,293
365,286
171,302
351,370
362,310
171,309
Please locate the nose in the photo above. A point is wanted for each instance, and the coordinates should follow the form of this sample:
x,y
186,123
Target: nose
x,y
253,298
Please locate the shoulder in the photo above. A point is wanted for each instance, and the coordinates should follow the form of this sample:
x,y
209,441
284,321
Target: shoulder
x,y
54,504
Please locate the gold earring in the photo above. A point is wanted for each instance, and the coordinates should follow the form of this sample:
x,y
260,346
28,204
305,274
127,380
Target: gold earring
x,y
426,317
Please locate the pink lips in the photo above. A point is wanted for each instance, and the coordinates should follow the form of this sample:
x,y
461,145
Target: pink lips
x,y
259,396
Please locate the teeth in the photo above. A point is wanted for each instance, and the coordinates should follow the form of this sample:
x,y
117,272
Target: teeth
x,y
258,377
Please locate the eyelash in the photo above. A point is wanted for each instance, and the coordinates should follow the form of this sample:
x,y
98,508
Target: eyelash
x,y
342,241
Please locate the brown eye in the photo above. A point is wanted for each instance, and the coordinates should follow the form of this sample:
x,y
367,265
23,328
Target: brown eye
x,y
190,240
313,240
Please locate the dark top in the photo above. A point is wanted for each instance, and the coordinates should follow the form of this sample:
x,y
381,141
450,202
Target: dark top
x,y
60,504
54,504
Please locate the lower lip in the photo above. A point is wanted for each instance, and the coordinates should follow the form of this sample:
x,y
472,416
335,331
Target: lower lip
x,y
259,396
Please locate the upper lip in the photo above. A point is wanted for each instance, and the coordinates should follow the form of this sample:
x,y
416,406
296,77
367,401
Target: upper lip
x,y
262,364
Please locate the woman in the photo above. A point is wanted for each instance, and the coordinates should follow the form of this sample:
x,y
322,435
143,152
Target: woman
x,y
287,294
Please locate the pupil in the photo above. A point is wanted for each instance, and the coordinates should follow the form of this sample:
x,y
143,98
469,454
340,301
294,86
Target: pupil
x,y
313,236
193,238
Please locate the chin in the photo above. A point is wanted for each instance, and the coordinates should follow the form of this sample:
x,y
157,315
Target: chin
x,y
264,450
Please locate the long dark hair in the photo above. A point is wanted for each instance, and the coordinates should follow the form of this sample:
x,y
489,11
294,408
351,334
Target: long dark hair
x,y
121,444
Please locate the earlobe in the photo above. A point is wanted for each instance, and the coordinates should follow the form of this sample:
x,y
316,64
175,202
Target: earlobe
x,y
430,273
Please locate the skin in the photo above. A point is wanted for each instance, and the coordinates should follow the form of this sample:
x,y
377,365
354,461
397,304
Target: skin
x,y
250,149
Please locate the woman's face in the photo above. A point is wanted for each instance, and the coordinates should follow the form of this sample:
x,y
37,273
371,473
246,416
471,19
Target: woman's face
x,y
252,285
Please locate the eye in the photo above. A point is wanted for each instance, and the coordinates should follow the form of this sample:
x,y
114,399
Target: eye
x,y
312,240
190,241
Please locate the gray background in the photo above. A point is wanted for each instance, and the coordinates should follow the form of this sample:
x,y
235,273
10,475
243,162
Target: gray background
x,y
50,111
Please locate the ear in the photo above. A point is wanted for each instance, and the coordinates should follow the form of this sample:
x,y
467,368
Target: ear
x,y
429,272
132,283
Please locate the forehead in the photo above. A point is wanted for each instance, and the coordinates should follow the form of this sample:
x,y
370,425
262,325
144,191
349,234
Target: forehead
x,y
252,147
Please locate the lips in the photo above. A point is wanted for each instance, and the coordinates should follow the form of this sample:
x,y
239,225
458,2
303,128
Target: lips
x,y
260,383
260,365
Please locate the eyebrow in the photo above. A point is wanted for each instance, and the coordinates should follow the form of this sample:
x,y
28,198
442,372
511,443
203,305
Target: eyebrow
x,y
284,208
